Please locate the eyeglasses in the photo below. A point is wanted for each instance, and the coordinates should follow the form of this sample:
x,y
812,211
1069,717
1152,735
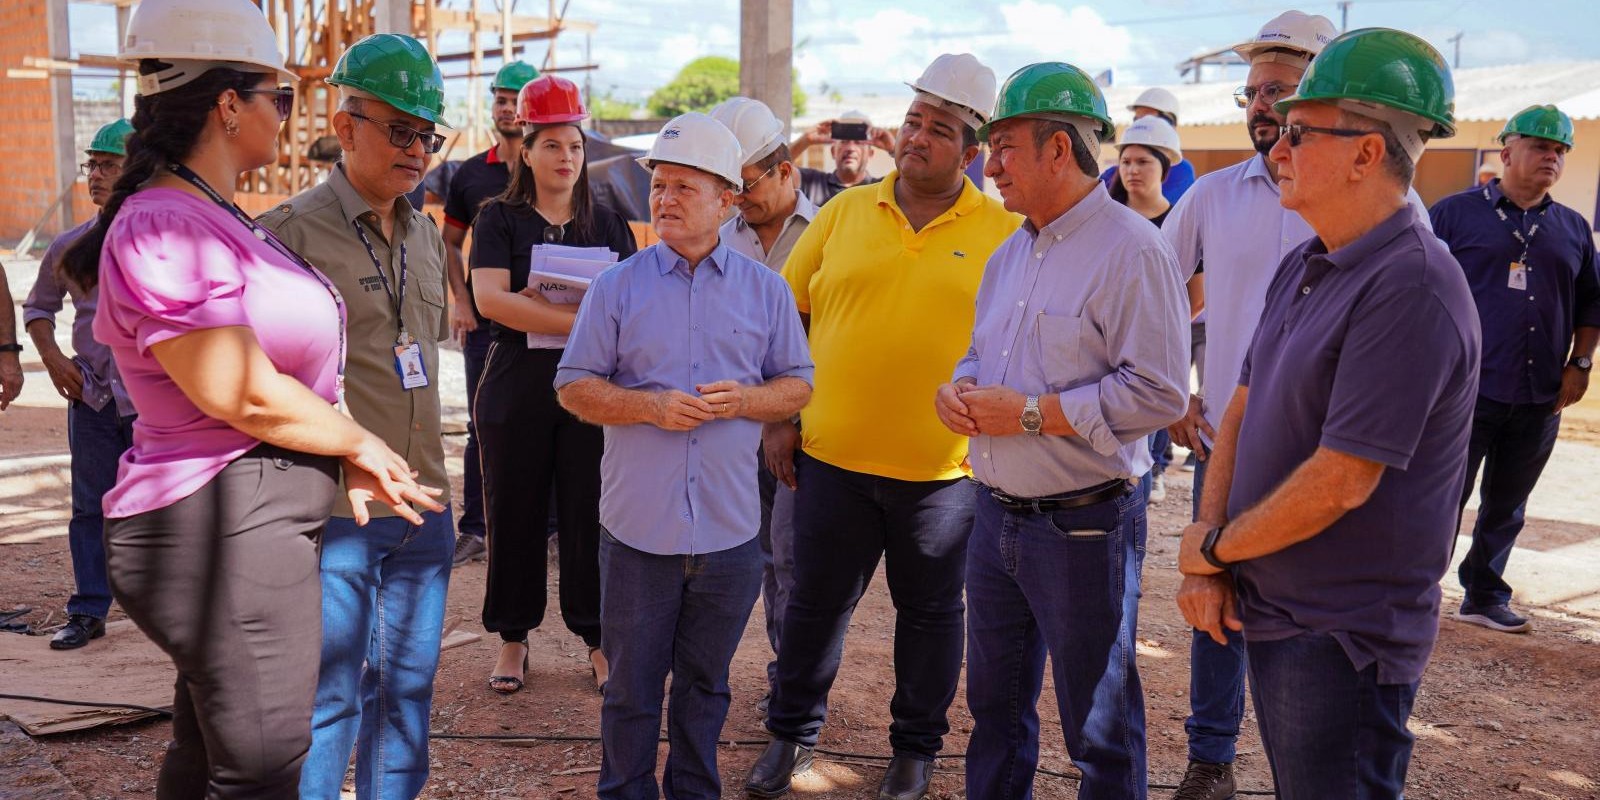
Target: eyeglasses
x,y
1298,132
553,234
110,169
1269,92
401,136
750,186
282,98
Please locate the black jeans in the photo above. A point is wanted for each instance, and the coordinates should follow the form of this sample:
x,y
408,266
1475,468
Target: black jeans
x,y
528,444
1512,443
844,523
225,582
475,352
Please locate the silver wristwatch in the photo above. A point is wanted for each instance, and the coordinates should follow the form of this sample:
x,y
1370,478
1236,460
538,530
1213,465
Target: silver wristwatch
x,y
1032,419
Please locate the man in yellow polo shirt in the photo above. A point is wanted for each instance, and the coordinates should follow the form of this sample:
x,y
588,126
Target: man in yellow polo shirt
x,y
886,277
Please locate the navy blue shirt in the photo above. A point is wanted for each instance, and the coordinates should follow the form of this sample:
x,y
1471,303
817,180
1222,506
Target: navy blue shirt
x,y
1371,351
1527,332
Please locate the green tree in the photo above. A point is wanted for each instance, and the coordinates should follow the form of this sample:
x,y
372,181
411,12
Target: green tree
x,y
703,83
608,106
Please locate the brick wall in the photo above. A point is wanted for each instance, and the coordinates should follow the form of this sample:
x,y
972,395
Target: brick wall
x,y
26,129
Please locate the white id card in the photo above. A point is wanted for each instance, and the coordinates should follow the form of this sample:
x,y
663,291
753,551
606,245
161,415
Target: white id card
x,y
1519,276
408,365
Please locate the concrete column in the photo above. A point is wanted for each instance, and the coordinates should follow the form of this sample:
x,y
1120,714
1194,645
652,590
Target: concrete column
x,y
64,149
766,54
391,16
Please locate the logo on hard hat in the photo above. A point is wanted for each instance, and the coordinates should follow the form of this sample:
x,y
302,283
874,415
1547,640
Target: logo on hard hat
x,y
1065,98
671,133
1275,35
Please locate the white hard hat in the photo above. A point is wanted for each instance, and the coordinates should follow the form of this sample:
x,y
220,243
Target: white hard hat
x,y
1489,167
853,116
758,130
1153,132
960,84
696,140
1157,98
1291,30
200,35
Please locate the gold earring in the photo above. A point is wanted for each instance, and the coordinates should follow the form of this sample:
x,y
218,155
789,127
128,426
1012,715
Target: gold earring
x,y
230,126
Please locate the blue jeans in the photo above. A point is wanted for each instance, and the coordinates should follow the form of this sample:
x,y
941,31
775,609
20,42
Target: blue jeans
x,y
1328,729
96,439
1160,450
678,615
383,599
845,523
1512,442
1216,681
1064,584
777,555
474,352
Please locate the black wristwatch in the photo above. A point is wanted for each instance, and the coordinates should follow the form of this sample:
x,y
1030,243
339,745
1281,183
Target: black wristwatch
x,y
10,348
1208,547
1583,363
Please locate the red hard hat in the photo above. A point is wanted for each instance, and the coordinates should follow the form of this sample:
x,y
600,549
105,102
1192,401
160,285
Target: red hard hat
x,y
549,100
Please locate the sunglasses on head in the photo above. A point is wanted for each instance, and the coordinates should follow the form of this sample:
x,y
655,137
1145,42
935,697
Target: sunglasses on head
x,y
402,136
282,99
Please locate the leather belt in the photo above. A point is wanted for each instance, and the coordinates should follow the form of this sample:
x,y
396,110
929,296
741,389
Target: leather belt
x,y
1110,490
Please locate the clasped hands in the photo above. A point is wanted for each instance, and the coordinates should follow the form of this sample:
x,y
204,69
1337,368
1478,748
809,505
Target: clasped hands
x,y
969,409
681,411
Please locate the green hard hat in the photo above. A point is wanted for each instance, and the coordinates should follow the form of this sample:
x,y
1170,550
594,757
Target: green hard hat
x,y
397,70
514,76
1544,122
1051,88
113,138
1385,67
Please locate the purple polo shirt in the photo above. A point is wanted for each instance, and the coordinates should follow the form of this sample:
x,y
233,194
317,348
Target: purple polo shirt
x,y
651,325
1373,351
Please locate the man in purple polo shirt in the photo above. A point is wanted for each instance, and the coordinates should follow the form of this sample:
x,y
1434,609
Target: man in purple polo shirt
x,y
1330,501
681,352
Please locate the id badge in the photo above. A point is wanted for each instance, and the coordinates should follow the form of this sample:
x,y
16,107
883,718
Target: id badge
x,y
1519,276
408,365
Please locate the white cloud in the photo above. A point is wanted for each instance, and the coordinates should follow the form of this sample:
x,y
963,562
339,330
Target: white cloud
x,y
1079,35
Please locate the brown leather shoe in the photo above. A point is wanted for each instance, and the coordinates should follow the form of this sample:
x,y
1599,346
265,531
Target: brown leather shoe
x,y
1206,781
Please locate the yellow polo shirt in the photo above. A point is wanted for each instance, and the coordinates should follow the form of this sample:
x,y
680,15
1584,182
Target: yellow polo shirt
x,y
891,314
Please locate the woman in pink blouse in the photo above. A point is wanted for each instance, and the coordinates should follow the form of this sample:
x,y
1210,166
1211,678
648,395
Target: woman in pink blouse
x,y
231,347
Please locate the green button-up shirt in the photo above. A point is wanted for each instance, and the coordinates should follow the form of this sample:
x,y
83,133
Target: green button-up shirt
x,y
317,224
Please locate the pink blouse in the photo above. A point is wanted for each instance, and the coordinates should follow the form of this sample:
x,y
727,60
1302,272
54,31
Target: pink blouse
x,y
174,263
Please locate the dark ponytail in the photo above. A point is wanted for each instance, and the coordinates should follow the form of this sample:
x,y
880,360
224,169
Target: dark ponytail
x,y
166,127
523,191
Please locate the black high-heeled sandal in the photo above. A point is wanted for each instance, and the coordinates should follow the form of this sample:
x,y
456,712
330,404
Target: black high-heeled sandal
x,y
511,684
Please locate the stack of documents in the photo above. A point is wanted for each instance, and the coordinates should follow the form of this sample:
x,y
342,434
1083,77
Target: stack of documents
x,y
562,274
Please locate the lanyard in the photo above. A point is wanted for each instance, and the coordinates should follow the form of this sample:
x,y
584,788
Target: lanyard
x,y
262,234
1516,229
398,300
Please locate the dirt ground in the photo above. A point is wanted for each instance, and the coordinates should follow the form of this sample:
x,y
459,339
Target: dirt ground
x,y
1498,715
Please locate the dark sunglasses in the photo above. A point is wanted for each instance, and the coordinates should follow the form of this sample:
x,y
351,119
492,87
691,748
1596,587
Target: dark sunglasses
x,y
401,136
282,99
1269,93
553,234
1296,133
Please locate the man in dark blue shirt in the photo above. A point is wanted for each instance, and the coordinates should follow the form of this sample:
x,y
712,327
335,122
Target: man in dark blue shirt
x,y
1531,264
1330,497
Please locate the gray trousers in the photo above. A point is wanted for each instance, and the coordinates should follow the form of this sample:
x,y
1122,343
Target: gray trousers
x,y
225,581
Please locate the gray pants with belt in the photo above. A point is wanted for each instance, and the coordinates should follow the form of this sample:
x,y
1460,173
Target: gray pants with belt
x,y
225,582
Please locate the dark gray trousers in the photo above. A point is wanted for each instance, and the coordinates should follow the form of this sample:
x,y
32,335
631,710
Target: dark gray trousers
x,y
225,582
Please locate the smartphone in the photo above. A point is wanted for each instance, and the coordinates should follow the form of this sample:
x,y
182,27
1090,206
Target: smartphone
x,y
849,131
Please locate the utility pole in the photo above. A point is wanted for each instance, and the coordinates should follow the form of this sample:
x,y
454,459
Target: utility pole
x,y
1456,40
1344,15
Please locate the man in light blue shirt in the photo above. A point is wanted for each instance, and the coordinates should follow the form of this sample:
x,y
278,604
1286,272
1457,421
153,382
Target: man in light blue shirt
x,y
681,352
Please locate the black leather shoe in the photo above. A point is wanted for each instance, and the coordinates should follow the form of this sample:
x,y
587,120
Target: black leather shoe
x,y
79,630
770,775
907,779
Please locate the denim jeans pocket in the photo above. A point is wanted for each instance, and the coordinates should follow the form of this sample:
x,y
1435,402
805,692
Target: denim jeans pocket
x,y
1087,523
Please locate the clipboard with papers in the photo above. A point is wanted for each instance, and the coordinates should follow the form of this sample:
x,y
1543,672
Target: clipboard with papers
x,y
562,274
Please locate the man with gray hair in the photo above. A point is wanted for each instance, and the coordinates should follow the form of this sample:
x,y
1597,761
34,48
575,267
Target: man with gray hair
x,y
1329,510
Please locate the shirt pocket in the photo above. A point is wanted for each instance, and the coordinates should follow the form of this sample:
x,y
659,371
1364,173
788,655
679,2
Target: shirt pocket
x,y
430,315
1057,341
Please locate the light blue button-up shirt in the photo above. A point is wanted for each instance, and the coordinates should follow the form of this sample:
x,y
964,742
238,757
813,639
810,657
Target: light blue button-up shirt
x,y
650,324
1091,308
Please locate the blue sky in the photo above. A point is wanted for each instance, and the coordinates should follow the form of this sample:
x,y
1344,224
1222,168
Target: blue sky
x,y
870,46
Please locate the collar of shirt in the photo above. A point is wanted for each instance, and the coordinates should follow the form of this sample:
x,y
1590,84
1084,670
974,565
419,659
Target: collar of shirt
x,y
492,155
1354,254
1258,169
803,208
355,206
1072,219
969,201
668,259
1498,198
